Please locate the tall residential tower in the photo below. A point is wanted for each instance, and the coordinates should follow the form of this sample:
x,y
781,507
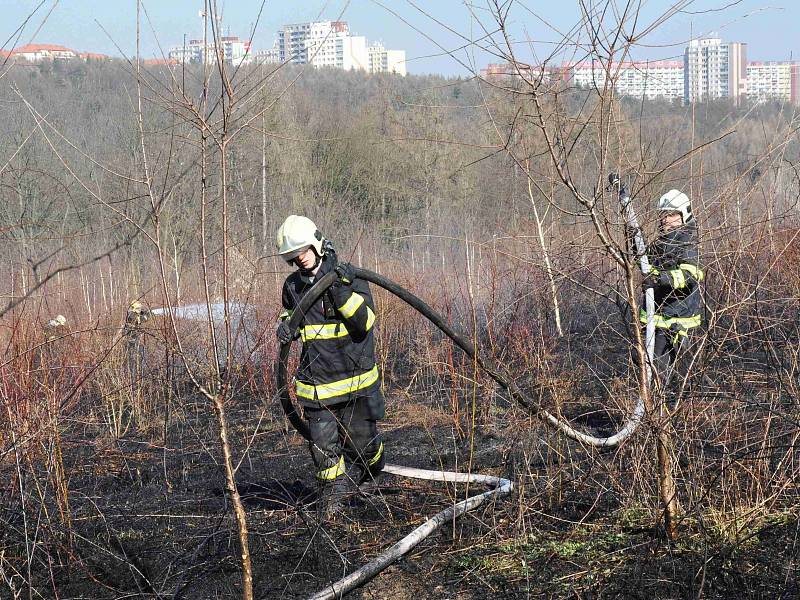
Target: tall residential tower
x,y
714,69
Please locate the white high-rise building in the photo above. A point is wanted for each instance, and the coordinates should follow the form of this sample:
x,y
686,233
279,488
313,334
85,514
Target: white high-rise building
x,y
773,81
654,79
231,47
291,43
713,69
322,44
329,44
382,60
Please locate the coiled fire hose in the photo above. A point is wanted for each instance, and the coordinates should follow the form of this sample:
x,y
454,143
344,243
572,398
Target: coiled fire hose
x,y
499,487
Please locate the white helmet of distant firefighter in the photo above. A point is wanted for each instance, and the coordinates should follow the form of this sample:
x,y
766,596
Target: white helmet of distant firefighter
x,y
296,235
676,201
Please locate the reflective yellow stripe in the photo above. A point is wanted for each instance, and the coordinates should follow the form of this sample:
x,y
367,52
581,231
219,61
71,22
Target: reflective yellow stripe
x,y
693,271
666,322
370,318
377,456
323,391
332,472
678,279
654,271
351,306
323,332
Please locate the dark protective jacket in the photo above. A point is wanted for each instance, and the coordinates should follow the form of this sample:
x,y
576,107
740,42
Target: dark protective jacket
x,y
338,357
674,263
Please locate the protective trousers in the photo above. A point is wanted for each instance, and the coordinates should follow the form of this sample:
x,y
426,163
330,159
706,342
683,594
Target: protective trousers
x,y
670,355
346,434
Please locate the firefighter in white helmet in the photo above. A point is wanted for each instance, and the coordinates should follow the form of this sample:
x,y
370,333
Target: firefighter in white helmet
x,y
55,327
675,277
337,380
133,333
136,315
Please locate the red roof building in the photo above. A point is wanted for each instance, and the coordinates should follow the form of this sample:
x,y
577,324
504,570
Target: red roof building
x,y
37,52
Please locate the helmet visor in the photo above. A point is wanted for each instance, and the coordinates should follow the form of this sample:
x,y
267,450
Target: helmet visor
x,y
290,256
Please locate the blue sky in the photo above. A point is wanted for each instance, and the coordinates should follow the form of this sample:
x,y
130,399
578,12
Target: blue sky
x,y
770,30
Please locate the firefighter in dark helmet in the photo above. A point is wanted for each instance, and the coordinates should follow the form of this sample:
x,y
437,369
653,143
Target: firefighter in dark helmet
x,y
337,380
675,277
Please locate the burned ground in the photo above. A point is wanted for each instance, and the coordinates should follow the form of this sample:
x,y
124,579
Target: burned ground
x,y
151,519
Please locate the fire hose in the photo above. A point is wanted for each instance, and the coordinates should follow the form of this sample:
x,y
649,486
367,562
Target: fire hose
x,y
462,342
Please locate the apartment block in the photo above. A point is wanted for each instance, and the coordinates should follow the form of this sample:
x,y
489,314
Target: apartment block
x,y
194,51
382,60
651,79
330,44
291,42
45,52
268,55
322,44
714,69
773,80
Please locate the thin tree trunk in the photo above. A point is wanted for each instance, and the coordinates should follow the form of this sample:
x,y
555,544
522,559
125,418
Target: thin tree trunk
x,y
236,499
223,383
666,482
264,242
545,254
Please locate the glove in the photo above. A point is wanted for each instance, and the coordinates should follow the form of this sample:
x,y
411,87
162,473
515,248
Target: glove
x,y
284,333
343,287
677,328
614,181
346,273
651,281
678,331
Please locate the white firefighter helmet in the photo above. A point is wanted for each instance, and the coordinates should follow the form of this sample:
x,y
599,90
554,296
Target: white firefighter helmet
x,y
138,311
57,321
296,235
676,201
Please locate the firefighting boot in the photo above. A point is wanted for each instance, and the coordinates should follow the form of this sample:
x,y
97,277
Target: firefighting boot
x,y
330,483
331,498
368,477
